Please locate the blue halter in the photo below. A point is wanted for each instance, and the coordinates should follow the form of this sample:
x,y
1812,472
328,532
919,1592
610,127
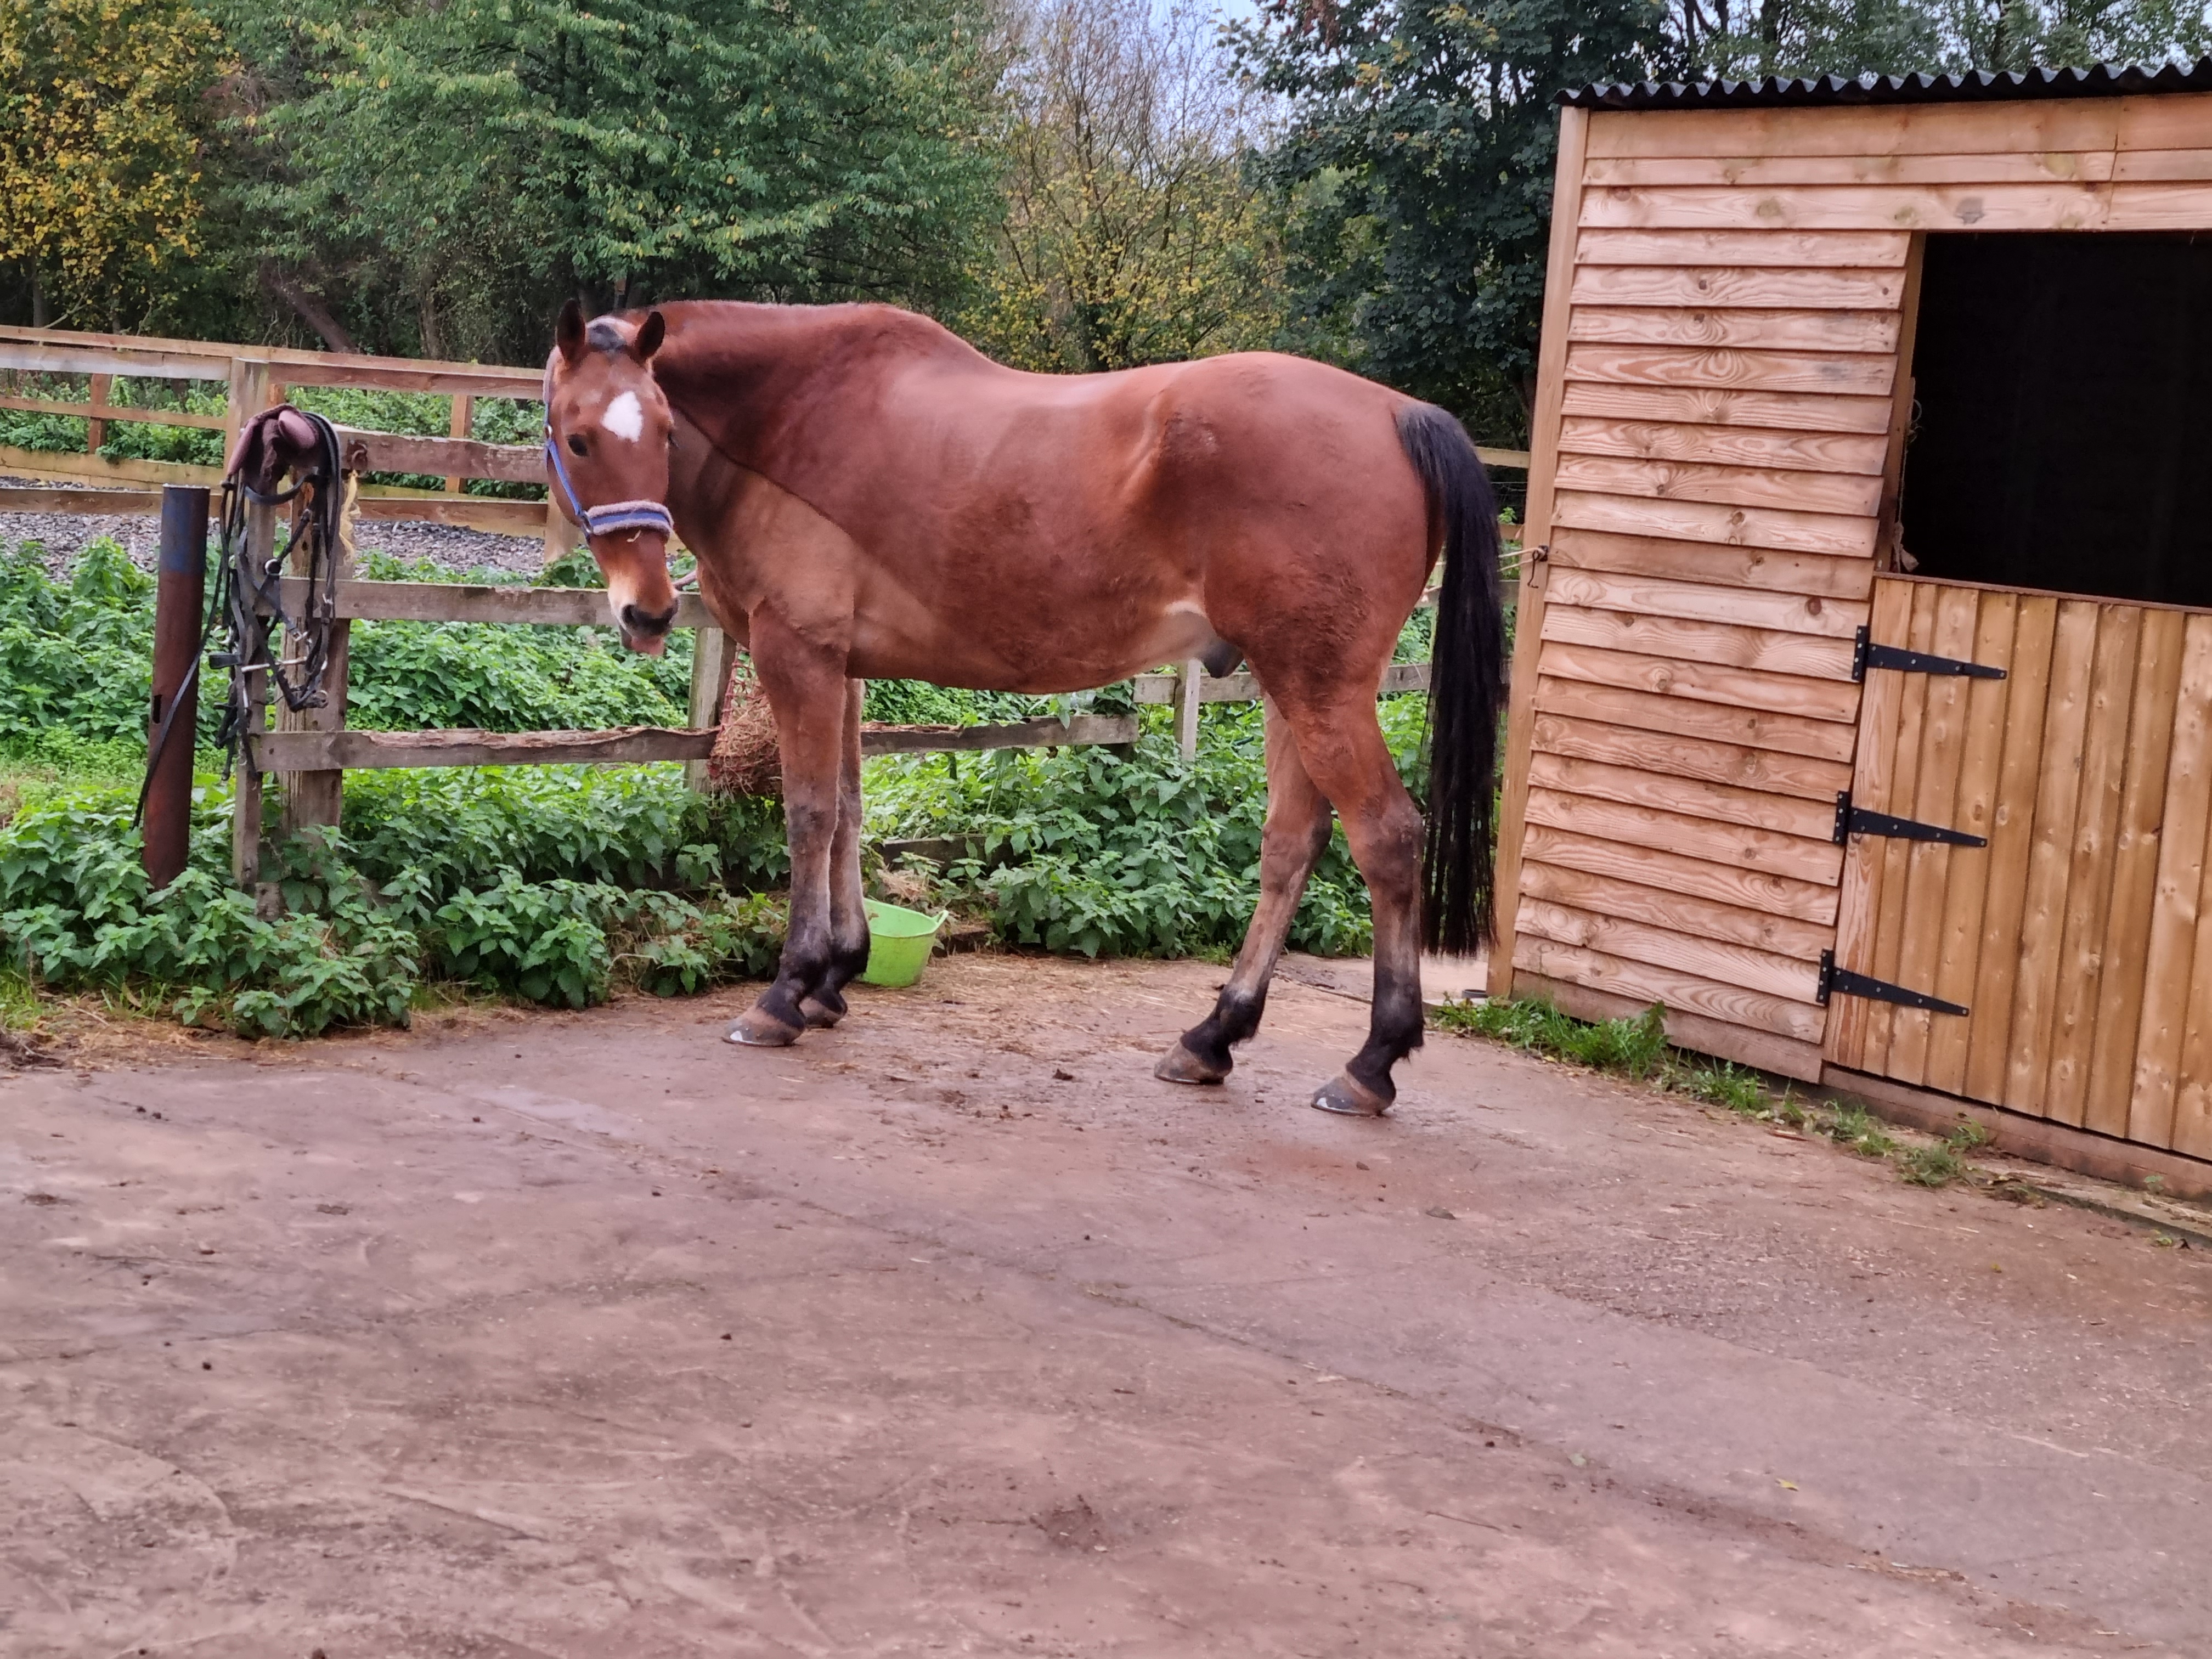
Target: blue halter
x,y
632,516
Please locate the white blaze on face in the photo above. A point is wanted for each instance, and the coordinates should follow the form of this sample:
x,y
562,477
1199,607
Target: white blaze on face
x,y
624,417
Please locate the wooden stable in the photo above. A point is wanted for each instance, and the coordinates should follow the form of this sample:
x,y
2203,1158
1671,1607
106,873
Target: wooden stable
x,y
1770,433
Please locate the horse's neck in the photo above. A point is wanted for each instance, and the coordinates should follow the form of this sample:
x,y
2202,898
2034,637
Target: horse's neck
x,y
755,377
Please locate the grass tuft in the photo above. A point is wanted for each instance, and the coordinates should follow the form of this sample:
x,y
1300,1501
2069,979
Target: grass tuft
x,y
1637,1048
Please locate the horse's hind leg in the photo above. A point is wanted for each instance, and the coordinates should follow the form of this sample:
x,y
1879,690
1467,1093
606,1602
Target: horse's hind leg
x,y
849,916
1342,744
1290,843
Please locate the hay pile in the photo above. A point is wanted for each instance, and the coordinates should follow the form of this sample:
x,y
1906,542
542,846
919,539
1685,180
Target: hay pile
x,y
745,761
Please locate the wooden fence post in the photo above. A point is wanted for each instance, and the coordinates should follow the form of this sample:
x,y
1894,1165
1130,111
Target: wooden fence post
x,y
561,535
1187,693
319,798
248,395
711,656
464,409
95,429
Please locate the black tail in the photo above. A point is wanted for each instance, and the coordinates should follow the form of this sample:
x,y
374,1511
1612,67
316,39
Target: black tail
x,y
1467,685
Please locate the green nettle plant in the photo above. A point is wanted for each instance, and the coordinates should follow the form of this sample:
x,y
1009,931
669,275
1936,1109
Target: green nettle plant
x,y
1081,850
475,900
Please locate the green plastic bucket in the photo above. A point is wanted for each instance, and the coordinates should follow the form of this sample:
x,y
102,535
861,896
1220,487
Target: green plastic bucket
x,y
899,943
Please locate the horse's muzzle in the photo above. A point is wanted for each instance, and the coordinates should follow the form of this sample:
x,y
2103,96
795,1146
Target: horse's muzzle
x,y
645,630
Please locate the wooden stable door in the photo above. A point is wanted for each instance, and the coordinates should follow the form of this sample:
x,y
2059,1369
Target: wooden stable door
x,y
2080,938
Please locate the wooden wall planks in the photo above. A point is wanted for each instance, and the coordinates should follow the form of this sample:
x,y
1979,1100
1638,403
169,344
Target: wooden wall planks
x,y
1748,570
1721,389
1738,486
1770,330
1743,286
1724,446
1789,411
1730,646
2078,938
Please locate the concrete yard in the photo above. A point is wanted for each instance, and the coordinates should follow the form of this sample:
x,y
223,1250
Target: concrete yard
x,y
952,1332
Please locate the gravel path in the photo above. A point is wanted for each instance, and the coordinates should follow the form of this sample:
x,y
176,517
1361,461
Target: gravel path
x,y
64,535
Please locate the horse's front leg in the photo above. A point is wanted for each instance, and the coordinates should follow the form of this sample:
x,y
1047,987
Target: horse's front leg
x,y
807,689
848,915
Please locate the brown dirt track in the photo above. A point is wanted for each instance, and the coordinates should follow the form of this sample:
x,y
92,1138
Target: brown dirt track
x,y
952,1331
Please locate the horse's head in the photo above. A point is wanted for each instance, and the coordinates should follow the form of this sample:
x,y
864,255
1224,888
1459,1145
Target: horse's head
x,y
607,431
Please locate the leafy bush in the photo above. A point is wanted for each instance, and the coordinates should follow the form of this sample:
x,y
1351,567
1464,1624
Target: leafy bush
x,y
77,657
76,909
1080,849
466,876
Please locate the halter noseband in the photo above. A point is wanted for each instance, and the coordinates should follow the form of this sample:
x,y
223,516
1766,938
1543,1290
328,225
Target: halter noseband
x,y
632,516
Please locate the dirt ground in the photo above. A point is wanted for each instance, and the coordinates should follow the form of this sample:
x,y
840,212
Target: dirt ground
x,y
952,1331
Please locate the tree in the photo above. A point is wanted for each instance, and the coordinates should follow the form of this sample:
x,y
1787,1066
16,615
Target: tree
x,y
1748,38
474,161
1418,160
100,125
1754,38
1130,234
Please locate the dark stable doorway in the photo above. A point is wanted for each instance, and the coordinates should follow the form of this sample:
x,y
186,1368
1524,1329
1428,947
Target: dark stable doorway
x,y
2063,433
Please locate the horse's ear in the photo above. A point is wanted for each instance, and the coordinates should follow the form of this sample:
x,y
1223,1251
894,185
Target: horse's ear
x,y
568,332
650,333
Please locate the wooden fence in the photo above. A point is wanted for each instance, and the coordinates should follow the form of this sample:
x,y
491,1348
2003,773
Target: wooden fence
x,y
310,751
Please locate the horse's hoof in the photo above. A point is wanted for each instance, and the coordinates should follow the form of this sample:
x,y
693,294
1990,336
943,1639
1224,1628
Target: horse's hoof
x,y
1179,1065
818,1015
1347,1095
756,1028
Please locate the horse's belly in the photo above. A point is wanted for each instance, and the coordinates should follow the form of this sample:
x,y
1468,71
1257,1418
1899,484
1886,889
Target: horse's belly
x,y
1039,650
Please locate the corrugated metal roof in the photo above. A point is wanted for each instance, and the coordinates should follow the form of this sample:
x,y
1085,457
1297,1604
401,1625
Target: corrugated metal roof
x,y
2104,81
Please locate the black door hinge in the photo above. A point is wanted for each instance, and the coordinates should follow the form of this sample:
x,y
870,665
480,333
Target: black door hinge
x,y
1863,821
1866,654
1842,981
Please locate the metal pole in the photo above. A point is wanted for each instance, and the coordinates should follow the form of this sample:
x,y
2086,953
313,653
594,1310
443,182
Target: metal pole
x,y
180,603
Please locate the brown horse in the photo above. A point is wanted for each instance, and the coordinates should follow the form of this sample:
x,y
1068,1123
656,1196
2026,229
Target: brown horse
x,y
869,496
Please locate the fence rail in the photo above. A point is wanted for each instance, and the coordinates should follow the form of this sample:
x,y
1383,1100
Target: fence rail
x,y
255,378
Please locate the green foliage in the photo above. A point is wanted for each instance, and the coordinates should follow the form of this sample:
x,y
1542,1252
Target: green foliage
x,y
77,658
1719,1083
1418,161
1084,851
917,702
1634,1046
1637,1047
1131,233
1966,1134
1932,1166
473,879
441,176
75,910
629,827
101,114
1856,1130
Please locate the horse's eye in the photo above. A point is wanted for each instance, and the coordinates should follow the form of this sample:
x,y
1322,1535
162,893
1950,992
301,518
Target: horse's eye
x,y
577,443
